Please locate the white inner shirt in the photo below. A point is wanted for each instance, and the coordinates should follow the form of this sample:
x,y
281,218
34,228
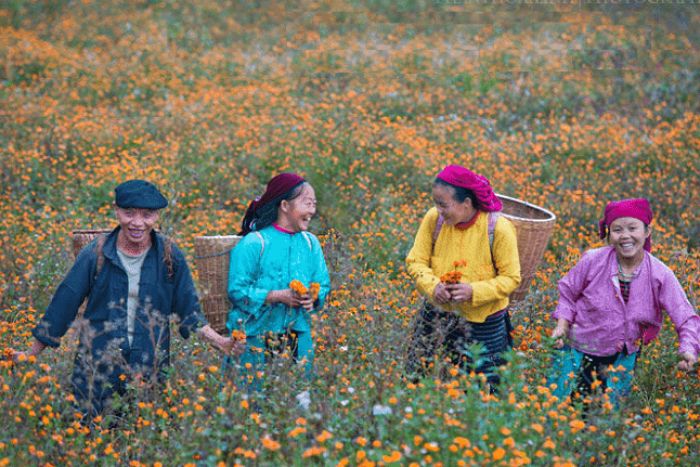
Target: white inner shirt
x,y
132,265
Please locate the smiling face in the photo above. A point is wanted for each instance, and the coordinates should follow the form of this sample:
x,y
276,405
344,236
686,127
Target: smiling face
x,y
136,225
295,215
627,235
451,210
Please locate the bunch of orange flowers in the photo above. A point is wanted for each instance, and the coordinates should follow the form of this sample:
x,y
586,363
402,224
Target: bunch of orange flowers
x,y
300,289
453,277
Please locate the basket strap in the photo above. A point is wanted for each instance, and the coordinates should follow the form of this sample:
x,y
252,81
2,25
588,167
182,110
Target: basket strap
x,y
493,218
262,242
308,239
168,255
438,227
99,246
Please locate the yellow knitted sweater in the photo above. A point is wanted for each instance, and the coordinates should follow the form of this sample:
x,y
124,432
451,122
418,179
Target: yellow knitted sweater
x,y
490,290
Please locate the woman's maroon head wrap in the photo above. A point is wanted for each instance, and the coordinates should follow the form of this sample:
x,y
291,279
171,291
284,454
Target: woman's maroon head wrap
x,y
277,187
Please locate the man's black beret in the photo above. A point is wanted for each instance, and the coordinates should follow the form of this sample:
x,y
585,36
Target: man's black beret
x,y
139,194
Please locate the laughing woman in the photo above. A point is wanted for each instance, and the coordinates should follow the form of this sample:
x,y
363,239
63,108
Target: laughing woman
x,y
465,262
278,277
610,305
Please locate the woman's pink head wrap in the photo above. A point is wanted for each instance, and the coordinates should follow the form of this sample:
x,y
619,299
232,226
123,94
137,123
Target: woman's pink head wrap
x,y
637,208
277,187
457,175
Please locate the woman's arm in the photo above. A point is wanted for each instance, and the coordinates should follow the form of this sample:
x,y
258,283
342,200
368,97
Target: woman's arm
x,y
418,259
561,332
672,298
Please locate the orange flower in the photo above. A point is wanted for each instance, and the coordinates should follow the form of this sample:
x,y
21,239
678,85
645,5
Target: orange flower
x,y
296,431
238,335
361,441
314,289
394,457
313,451
298,287
499,454
8,355
270,444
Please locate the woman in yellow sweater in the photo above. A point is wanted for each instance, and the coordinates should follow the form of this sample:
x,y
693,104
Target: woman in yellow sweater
x,y
465,263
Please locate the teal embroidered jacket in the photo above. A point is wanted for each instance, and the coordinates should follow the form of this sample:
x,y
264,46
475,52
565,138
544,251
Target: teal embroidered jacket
x,y
269,260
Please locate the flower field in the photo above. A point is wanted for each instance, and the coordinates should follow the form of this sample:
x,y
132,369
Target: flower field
x,y
567,105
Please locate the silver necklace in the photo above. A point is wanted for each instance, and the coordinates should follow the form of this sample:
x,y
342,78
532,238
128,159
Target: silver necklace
x,y
627,277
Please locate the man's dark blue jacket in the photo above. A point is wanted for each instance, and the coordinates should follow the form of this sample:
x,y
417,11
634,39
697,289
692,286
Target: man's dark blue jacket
x,y
104,355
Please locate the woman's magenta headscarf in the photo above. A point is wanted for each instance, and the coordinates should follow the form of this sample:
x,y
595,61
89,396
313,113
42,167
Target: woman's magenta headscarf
x,y
277,187
481,186
637,208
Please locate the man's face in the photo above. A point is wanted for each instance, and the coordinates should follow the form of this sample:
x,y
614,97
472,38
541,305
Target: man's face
x,y
137,223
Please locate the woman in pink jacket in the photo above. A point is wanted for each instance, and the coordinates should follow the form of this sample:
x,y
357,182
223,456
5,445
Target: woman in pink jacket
x,y
610,305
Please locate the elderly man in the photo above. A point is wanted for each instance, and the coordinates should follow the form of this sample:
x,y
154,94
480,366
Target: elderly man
x,y
134,280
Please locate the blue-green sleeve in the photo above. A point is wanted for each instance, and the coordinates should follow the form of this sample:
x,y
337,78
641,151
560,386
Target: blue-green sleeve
x,y
244,266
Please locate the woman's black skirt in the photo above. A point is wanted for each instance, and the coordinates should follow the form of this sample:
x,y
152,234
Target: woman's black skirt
x,y
439,335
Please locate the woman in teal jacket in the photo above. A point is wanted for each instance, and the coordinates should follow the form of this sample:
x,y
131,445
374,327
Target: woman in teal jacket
x,y
275,250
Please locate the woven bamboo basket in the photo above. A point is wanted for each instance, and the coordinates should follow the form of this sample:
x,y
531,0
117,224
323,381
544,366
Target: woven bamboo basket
x,y
212,263
83,237
533,226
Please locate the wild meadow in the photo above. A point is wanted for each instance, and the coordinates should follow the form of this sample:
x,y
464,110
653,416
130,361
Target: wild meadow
x,y
567,105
